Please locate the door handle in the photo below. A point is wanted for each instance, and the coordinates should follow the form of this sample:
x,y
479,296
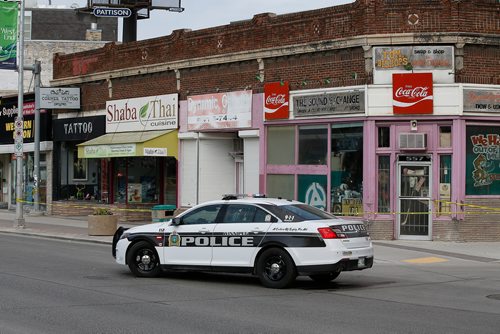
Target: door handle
x,y
204,230
256,230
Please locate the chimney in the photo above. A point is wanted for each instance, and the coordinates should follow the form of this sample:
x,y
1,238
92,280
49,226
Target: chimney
x,y
93,34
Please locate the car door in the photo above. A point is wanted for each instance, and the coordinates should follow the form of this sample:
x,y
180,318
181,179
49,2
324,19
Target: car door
x,y
238,235
189,243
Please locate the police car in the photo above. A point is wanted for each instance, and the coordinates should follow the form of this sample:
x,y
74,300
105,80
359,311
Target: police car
x,y
274,239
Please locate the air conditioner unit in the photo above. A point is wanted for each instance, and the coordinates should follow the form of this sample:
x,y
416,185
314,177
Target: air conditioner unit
x,y
412,141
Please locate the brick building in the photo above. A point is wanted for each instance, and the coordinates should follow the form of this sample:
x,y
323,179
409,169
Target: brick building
x,y
380,109
47,30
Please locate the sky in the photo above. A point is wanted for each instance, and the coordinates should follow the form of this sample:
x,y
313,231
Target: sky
x,y
200,14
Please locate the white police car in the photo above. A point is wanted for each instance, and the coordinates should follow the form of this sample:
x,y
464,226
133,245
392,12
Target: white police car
x,y
275,239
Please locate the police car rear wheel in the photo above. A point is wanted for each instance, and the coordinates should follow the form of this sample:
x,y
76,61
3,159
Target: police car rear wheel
x,y
325,278
275,268
143,260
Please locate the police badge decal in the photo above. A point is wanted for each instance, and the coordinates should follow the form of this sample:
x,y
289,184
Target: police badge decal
x,y
174,239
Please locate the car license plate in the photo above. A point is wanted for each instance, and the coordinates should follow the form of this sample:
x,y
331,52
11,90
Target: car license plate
x,y
361,262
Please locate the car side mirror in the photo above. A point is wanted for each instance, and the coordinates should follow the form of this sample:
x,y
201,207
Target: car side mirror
x,y
176,221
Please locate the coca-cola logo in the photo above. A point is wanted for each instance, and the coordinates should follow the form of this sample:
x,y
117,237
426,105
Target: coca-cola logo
x,y
412,92
276,99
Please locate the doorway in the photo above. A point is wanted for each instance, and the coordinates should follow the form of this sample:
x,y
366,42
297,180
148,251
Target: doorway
x,y
414,198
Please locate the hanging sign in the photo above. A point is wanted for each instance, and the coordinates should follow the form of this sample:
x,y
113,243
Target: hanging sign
x,y
8,34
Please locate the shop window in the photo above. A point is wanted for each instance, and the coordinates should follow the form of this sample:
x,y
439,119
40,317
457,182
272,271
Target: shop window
x,y
281,145
482,165
120,180
280,185
143,176
170,181
347,169
384,139
444,184
445,136
384,184
312,190
313,145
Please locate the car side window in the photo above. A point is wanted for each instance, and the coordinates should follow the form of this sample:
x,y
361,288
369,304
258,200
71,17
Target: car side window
x,y
203,215
241,213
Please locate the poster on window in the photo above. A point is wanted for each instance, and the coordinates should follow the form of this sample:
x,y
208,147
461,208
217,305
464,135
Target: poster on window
x,y
134,193
79,168
483,160
312,190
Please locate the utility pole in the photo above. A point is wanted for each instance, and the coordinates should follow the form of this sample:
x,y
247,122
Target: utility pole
x,y
37,70
18,143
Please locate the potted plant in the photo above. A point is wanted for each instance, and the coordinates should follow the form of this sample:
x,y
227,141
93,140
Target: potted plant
x,y
102,222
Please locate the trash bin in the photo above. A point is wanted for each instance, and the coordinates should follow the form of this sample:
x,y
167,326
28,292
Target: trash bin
x,y
162,213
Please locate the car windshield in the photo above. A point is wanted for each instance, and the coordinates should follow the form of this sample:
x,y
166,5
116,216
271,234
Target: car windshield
x,y
298,212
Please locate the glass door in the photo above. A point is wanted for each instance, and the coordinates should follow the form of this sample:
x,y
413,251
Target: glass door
x,y
414,201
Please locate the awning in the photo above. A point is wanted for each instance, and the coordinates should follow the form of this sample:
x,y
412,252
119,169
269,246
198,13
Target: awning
x,y
131,144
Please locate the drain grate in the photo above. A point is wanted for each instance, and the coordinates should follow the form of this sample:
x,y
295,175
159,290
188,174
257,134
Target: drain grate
x,y
497,297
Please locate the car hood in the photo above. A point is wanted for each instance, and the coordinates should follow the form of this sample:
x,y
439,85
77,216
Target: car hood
x,y
153,227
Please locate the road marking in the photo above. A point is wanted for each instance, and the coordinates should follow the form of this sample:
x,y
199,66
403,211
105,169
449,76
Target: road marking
x,y
431,259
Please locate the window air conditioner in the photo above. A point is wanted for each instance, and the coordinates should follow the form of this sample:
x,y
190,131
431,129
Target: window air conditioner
x,y
412,141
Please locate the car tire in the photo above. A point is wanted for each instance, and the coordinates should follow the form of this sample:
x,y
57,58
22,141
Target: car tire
x,y
325,278
142,260
275,268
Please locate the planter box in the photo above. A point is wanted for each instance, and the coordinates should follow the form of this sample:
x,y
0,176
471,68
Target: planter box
x,y
102,225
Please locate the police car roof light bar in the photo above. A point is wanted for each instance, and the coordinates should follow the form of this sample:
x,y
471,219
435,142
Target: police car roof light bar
x,y
227,197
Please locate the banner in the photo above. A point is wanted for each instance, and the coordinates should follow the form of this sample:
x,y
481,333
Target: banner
x,y
8,34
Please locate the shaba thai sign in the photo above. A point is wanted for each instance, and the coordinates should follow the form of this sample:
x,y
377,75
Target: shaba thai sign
x,y
8,34
232,110
142,114
412,93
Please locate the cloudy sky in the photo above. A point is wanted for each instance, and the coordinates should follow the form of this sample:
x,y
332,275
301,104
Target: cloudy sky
x,y
209,13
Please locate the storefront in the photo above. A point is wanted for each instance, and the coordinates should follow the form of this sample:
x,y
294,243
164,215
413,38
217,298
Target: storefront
x,y
137,155
219,141
8,163
76,178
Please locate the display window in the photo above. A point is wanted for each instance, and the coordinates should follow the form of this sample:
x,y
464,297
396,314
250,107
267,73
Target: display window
x,y
325,171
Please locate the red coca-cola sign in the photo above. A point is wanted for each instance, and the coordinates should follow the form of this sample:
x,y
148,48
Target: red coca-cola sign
x,y
276,101
412,93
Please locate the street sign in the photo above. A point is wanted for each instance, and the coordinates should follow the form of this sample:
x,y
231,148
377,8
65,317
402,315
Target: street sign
x,y
112,12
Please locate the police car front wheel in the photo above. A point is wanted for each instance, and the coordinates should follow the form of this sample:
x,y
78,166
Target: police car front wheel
x,y
143,260
275,268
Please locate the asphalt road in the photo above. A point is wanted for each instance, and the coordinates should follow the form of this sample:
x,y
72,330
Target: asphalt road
x,y
54,286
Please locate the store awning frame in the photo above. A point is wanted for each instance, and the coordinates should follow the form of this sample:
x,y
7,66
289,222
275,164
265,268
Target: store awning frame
x,y
131,144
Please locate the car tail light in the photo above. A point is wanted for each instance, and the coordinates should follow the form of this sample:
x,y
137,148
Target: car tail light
x,y
329,233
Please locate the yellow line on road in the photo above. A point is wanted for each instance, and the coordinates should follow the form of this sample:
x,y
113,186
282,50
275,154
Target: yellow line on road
x,y
424,260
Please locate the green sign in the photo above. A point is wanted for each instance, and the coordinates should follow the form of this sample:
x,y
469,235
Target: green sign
x,y
312,190
8,34
483,160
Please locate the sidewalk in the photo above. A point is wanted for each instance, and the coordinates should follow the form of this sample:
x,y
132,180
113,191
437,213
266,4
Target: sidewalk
x,y
75,228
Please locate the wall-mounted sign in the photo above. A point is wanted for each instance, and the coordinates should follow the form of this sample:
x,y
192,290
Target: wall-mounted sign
x,y
9,130
60,98
276,100
79,128
412,93
142,114
334,103
231,110
111,12
429,57
479,100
